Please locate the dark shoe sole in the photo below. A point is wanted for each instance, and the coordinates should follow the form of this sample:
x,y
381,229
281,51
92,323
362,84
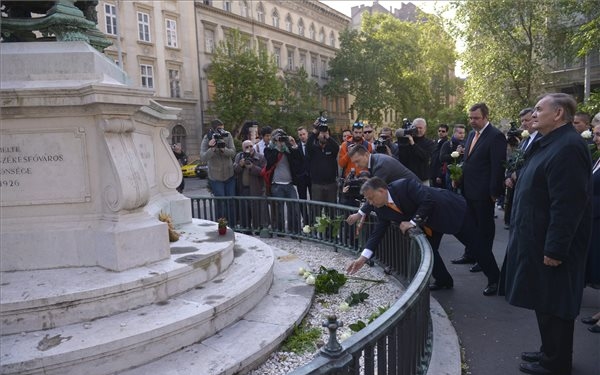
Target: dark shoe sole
x,y
595,328
589,320
531,356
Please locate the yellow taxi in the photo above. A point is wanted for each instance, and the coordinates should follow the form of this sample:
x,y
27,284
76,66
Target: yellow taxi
x,y
189,170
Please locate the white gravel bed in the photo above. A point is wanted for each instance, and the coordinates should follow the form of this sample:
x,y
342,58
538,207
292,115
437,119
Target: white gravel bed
x,y
316,255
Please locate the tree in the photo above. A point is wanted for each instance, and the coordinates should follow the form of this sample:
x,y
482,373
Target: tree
x,y
246,85
300,100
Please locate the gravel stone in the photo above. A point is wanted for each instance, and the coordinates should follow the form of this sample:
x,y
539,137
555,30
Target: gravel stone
x,y
316,255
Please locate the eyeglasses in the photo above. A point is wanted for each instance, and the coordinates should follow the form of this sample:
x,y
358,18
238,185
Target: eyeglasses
x,y
441,131
368,131
358,125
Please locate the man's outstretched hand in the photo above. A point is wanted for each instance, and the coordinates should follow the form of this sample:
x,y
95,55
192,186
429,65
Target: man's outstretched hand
x,y
355,266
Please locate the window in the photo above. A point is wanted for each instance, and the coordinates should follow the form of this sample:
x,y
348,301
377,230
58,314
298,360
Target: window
x,y
288,23
314,71
209,41
301,27
277,55
171,26
227,6
260,13
244,8
207,2
110,12
174,83
147,74
290,59
311,32
322,36
178,134
332,39
323,69
143,26
303,61
275,17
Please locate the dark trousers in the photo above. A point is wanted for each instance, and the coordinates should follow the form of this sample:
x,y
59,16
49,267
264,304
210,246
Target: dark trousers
x,y
304,190
439,272
557,342
481,212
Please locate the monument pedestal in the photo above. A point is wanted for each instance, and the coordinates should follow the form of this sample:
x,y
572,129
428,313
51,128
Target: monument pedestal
x,y
85,162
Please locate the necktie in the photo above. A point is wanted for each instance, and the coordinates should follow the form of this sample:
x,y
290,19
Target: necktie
x,y
394,207
474,141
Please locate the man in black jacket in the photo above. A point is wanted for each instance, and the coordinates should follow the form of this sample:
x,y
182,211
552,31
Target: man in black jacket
x,y
322,152
435,165
414,151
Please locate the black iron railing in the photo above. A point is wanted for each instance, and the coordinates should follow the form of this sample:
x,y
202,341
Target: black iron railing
x,y
397,342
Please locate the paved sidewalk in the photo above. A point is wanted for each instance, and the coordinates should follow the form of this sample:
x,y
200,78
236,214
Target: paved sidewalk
x,y
494,333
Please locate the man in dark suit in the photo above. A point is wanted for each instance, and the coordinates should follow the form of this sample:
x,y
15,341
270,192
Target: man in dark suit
x,y
410,204
550,232
482,183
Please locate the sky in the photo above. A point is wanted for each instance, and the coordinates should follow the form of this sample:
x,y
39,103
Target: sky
x,y
345,6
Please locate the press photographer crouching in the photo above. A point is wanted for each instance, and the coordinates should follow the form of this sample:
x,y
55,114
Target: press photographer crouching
x,y
351,185
217,150
414,149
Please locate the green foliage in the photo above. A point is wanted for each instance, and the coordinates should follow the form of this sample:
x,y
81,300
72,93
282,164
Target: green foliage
x,y
356,298
300,101
592,105
359,324
329,281
246,86
394,65
324,222
302,340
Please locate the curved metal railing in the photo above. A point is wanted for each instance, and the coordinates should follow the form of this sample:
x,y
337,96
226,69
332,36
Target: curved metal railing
x,y
397,342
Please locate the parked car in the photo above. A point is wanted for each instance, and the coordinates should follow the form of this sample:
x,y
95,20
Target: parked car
x,y
189,170
201,170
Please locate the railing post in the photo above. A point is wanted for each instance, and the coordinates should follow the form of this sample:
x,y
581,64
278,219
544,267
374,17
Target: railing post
x,y
332,349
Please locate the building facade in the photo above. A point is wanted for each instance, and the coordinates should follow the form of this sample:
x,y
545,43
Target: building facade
x,y
166,46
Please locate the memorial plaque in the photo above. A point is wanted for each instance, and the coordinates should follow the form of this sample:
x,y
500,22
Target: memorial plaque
x,y
43,167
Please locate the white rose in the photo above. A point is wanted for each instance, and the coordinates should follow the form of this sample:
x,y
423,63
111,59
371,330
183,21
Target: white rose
x,y
306,274
524,134
455,154
586,134
310,280
344,306
345,336
306,229
301,271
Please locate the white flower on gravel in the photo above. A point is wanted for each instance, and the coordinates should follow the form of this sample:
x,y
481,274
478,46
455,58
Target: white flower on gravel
x,y
455,154
524,134
306,229
586,134
344,306
306,274
310,280
301,271
345,336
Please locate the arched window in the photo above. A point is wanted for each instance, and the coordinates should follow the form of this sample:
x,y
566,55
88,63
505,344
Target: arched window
x,y
311,32
322,35
332,39
260,13
244,8
301,27
178,135
275,17
288,23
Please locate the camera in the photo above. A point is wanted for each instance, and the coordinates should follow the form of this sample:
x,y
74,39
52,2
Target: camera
x,y
218,135
513,135
321,122
407,129
354,182
247,157
380,144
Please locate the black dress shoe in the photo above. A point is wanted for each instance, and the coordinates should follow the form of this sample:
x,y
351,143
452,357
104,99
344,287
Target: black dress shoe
x,y
438,286
475,268
595,328
531,356
536,369
589,320
491,289
463,260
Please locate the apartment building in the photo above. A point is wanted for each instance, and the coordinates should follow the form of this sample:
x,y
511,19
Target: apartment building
x,y
166,46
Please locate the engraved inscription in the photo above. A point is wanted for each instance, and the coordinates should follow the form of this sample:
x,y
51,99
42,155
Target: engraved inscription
x,y
44,167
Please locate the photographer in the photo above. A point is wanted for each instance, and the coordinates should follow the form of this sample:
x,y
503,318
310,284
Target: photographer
x,y
350,197
322,152
284,165
384,144
247,167
217,150
414,150
182,159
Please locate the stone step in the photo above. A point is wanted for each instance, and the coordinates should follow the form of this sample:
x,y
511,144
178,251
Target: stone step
x,y
247,343
135,337
44,299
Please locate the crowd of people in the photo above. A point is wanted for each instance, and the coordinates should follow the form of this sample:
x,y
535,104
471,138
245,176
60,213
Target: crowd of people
x,y
545,174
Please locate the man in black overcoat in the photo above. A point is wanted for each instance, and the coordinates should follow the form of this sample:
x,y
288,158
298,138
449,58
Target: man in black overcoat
x,y
549,234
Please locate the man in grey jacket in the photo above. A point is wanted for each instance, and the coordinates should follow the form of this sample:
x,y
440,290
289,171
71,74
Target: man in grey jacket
x,y
217,150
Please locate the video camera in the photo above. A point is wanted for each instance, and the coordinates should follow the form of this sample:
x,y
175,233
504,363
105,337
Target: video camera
x,y
354,182
247,157
218,135
380,144
407,129
513,135
321,122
